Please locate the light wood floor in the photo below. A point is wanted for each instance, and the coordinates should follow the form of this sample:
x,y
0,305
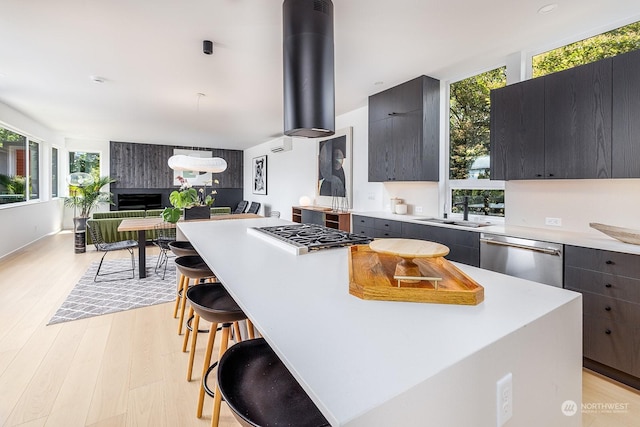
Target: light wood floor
x,y
127,368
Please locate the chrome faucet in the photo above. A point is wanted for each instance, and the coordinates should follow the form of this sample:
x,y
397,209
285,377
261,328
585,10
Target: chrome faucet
x,y
465,206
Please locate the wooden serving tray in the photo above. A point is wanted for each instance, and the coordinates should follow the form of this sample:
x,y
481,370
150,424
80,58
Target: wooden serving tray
x,y
371,277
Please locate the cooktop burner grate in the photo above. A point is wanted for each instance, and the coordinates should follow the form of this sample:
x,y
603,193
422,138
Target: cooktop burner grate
x,y
312,237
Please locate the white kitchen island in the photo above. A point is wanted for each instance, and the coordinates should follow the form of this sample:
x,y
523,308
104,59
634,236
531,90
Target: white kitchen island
x,y
378,363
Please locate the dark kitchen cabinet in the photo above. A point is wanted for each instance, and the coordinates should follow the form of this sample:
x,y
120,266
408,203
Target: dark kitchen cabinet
x,y
404,132
578,122
626,116
517,131
376,227
610,287
554,127
464,246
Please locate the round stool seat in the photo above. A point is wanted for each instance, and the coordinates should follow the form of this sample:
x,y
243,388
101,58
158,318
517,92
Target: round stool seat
x,y
193,266
213,303
182,248
261,391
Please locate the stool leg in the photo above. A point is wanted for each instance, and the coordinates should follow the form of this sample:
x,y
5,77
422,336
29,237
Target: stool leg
x,y
217,398
185,287
205,366
194,325
252,333
175,309
185,341
236,330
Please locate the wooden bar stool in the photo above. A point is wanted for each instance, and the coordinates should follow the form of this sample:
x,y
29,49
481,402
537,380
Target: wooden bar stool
x,y
190,267
261,391
180,248
214,304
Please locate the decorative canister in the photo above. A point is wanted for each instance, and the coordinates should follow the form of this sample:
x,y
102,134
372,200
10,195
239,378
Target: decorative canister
x,y
394,201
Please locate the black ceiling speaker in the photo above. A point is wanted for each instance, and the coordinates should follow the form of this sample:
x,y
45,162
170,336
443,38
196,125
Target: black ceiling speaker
x,y
309,96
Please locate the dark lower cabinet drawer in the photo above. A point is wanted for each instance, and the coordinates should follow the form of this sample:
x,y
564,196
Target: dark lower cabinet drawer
x,y
393,227
611,343
606,284
615,263
611,309
364,221
362,230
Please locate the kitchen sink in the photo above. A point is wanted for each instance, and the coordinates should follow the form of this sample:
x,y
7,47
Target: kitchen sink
x,y
471,224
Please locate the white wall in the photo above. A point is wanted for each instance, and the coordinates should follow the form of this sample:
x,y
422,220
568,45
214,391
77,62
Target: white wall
x,y
25,223
293,174
576,202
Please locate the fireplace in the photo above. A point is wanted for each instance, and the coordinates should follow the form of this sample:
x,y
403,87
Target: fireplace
x,y
136,201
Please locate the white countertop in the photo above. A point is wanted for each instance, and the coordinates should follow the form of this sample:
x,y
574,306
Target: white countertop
x,y
354,356
586,240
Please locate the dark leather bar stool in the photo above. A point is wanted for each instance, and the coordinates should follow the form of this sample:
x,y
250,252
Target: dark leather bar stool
x,y
261,391
213,303
191,267
181,248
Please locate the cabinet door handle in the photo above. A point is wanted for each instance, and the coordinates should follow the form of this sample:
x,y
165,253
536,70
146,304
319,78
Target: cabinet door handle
x,y
538,175
608,285
551,174
607,331
607,308
609,262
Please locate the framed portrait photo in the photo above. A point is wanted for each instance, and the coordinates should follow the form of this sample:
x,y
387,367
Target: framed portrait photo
x,y
259,175
334,169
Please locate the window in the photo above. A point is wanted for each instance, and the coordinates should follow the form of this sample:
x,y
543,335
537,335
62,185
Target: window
x,y
469,150
80,161
34,170
605,45
54,172
13,167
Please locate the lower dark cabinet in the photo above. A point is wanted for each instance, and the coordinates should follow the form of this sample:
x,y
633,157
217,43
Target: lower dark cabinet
x,y
464,246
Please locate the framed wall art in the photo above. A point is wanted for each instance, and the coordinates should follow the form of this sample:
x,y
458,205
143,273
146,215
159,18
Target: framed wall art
x,y
259,175
335,169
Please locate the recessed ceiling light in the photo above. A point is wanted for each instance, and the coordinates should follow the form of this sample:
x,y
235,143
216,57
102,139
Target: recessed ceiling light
x,y
97,79
547,8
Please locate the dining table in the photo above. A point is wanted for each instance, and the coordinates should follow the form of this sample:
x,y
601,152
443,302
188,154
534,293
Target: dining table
x,y
142,225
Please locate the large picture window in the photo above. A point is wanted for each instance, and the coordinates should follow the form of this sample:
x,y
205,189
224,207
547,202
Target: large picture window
x,y
82,161
469,145
13,167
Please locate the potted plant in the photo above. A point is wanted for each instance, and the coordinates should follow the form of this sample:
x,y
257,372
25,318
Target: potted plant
x,y
195,204
86,192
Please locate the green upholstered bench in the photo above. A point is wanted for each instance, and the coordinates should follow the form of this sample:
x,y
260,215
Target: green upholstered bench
x,y
108,223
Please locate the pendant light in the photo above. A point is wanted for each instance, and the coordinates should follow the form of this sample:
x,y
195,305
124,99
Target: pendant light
x,y
309,97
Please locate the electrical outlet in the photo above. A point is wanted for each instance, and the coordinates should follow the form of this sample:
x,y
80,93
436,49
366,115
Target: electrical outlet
x,y
556,222
418,209
504,399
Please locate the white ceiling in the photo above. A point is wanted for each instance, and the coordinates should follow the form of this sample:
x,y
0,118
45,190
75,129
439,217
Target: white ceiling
x,y
150,54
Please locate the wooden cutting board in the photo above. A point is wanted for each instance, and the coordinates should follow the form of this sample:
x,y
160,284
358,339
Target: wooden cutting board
x,y
409,248
371,276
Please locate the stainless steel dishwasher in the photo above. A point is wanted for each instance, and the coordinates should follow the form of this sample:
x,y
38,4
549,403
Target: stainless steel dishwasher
x,y
529,259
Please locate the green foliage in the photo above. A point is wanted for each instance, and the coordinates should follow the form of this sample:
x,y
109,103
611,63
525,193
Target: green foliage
x,y
171,214
612,43
86,198
184,199
481,202
12,184
85,162
469,117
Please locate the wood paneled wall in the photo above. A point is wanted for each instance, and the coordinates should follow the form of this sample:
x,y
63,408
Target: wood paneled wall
x,y
145,165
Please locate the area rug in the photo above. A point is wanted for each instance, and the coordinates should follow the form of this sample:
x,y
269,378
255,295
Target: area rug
x,y
116,292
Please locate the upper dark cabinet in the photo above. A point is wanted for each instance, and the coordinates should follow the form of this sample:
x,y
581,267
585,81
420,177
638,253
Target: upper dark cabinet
x,y
626,116
517,131
578,122
404,132
556,126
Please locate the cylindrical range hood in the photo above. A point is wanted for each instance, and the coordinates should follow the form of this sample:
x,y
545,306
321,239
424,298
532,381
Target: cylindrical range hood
x,y
309,97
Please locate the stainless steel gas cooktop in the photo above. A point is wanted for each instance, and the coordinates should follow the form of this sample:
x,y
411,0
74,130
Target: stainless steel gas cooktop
x,y
302,238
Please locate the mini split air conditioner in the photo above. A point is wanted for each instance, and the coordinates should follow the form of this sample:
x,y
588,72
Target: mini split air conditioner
x,y
282,144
